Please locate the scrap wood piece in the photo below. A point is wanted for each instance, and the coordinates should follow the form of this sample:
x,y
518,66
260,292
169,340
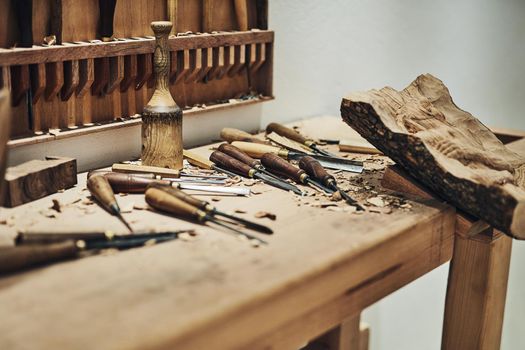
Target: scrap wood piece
x,y
38,178
445,148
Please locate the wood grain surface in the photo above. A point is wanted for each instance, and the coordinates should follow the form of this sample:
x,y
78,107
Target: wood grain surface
x,y
445,148
216,291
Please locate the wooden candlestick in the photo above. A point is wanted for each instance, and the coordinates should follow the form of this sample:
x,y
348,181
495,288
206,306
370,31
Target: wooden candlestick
x,y
162,118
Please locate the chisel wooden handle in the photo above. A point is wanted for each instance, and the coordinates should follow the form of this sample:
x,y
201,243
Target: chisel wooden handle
x,y
100,188
315,170
230,135
17,258
287,132
280,166
163,201
130,168
24,14
180,195
236,153
107,14
231,164
127,183
256,150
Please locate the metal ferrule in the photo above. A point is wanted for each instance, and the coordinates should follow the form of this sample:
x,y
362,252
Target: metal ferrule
x,y
252,172
201,216
209,208
283,153
303,178
309,143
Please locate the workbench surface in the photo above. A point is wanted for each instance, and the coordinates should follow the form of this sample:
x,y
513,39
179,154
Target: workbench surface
x,y
214,290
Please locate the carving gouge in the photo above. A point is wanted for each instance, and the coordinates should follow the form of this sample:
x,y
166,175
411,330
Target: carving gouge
x,y
197,160
282,167
100,188
242,169
24,256
236,153
129,183
43,237
165,202
210,209
316,170
161,172
257,151
294,135
229,135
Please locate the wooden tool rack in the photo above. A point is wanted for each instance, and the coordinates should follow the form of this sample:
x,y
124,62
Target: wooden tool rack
x,y
73,88
319,271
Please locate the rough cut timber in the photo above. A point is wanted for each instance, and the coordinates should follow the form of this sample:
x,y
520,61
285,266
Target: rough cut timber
x,y
5,126
445,148
38,178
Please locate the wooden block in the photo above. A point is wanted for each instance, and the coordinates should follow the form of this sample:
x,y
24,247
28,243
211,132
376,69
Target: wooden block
x,y
445,148
396,179
346,336
5,127
476,292
38,178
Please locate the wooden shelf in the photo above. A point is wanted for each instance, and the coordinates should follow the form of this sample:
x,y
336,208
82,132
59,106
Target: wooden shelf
x,y
124,47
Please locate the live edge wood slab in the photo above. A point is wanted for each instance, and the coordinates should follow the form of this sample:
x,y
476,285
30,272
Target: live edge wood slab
x,y
445,148
320,268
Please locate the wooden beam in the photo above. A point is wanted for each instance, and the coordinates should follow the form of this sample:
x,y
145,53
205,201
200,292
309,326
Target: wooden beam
x,y
5,127
41,54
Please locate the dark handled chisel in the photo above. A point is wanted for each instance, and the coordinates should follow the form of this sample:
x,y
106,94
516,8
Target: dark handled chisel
x,y
170,204
257,151
210,209
107,15
316,170
295,136
242,169
281,167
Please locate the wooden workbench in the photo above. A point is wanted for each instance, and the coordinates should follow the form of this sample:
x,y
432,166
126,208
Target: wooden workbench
x,y
319,271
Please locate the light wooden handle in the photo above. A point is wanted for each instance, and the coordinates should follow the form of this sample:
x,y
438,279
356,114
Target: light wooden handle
x,y
280,166
100,188
127,183
163,201
230,135
286,132
256,150
241,11
144,169
197,160
21,257
236,153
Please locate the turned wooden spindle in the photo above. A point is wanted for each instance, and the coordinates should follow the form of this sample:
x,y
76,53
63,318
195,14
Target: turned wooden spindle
x,y
162,118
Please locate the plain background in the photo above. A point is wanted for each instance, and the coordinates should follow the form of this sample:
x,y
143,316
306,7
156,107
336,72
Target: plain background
x,y
325,49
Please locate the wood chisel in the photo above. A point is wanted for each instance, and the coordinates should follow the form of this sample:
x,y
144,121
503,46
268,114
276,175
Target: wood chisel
x,y
129,183
28,255
167,203
43,237
203,163
162,172
281,167
316,170
245,170
210,209
231,134
258,150
294,135
100,188
236,153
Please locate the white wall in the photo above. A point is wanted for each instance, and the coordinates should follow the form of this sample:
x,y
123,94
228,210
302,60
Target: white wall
x,y
325,49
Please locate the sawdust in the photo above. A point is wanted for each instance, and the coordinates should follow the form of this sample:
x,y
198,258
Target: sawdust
x,y
265,214
56,206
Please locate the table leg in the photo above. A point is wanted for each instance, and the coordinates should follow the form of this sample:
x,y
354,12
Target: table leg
x,y
476,291
350,335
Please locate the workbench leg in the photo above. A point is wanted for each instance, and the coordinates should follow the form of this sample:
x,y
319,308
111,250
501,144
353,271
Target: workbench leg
x,y
350,335
476,291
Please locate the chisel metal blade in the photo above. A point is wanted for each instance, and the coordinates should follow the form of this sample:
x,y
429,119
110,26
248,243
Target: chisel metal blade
x,y
322,151
239,191
279,184
332,163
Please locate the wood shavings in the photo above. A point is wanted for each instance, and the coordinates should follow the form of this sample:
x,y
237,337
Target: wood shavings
x,y
56,206
376,201
217,199
140,206
240,211
324,204
127,208
265,214
87,201
336,196
186,236
123,194
48,213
